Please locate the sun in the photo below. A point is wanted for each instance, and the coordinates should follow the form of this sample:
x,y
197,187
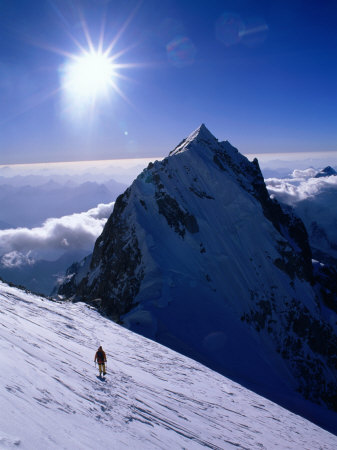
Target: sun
x,y
91,79
90,75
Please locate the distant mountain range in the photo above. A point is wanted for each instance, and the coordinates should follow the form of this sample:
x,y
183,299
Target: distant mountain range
x,y
29,206
197,256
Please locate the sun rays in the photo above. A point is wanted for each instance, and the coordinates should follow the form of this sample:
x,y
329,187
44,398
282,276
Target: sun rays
x,y
93,75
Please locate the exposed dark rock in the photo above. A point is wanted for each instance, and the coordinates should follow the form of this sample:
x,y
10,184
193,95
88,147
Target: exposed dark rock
x,y
326,172
326,284
304,332
177,219
116,259
143,203
297,261
200,194
68,287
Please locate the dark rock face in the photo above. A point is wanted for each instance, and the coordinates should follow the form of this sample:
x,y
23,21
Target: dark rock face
x,y
176,218
68,287
303,332
116,256
296,261
117,252
195,248
326,284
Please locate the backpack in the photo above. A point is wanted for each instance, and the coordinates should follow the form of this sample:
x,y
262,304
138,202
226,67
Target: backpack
x,y
100,355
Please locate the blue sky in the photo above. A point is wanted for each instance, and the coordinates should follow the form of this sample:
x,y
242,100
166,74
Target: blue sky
x,y
262,74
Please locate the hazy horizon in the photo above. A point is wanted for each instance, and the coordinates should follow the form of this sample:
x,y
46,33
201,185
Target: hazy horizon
x,y
265,156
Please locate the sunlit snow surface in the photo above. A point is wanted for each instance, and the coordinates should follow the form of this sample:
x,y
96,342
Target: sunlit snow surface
x,y
152,397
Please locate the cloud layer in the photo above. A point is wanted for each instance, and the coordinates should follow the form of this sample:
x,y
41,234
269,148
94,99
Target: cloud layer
x,y
56,235
301,186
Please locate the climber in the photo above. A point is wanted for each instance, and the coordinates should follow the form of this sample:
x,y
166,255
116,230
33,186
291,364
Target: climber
x,y
100,357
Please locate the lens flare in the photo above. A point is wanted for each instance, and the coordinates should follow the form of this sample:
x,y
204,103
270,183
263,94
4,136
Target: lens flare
x,y
181,51
229,28
255,32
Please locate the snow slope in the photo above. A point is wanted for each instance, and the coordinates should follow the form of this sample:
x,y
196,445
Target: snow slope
x,y
153,398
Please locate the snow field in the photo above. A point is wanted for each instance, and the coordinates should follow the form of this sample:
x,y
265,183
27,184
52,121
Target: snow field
x,y
153,398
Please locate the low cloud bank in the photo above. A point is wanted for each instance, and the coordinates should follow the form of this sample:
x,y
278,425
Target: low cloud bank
x,y
55,236
301,186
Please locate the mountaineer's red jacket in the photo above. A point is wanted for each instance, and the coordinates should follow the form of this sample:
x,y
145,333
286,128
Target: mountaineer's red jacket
x,y
100,356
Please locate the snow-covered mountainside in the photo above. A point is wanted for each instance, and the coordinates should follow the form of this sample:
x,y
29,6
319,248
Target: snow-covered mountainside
x,y
152,397
198,257
30,206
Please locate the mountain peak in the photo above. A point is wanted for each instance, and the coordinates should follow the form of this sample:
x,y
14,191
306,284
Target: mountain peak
x,y
200,135
202,132
197,239
326,172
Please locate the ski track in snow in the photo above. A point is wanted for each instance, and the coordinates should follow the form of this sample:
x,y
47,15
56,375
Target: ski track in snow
x,y
152,397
